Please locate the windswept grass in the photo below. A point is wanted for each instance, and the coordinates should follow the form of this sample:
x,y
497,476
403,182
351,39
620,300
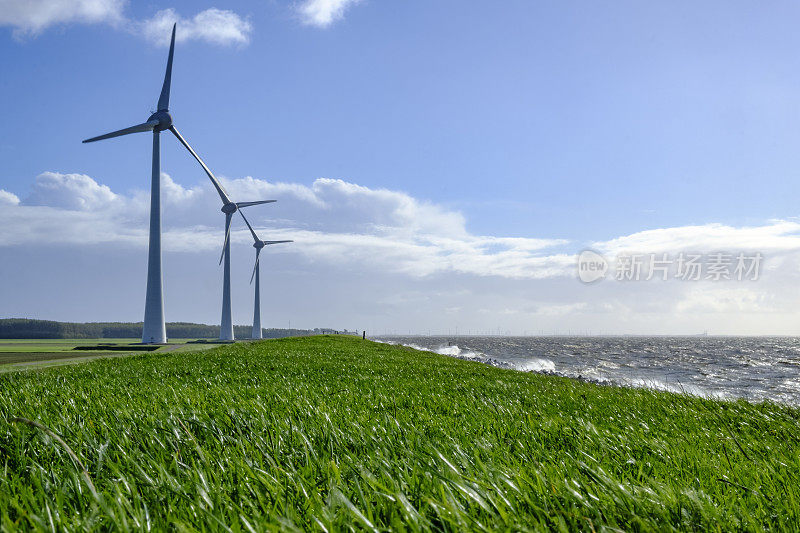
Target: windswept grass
x,y
328,433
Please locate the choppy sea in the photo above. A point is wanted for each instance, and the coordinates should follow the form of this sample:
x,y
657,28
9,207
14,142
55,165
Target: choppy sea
x,y
753,368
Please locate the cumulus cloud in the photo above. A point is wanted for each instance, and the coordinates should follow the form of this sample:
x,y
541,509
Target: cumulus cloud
x,y
216,26
323,13
75,192
175,193
342,222
332,221
347,206
30,17
722,298
8,198
774,235
347,227
408,260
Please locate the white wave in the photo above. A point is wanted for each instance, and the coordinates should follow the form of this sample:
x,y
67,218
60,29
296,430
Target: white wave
x,y
454,351
450,350
681,388
537,365
792,384
414,346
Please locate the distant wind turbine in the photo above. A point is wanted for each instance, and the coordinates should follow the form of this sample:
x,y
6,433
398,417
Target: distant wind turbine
x,y
258,244
229,208
154,328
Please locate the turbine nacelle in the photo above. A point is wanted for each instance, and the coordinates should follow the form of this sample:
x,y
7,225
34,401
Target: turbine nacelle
x,y
258,245
163,118
229,208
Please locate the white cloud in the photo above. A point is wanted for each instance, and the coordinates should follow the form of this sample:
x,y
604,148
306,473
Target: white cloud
x,y
29,17
216,26
397,245
385,257
75,192
774,235
53,225
725,299
175,193
347,206
323,13
345,223
8,198
332,222
340,223
561,310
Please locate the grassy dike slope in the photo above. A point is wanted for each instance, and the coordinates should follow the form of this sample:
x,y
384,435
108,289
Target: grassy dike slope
x,y
335,432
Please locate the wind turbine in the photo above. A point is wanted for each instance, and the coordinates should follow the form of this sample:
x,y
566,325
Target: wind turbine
x,y
229,207
258,244
154,328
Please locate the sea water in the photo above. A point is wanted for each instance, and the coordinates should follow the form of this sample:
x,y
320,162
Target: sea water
x,y
753,368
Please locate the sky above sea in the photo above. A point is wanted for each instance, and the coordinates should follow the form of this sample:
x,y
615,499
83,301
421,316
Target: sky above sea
x,y
439,165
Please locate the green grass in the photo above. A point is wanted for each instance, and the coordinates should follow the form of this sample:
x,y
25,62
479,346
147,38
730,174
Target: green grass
x,y
40,352
48,345
61,345
35,357
331,433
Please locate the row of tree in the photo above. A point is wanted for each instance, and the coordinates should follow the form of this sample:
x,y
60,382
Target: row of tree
x,y
24,328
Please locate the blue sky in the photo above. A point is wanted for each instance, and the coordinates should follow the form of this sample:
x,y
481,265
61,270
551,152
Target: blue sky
x,y
572,123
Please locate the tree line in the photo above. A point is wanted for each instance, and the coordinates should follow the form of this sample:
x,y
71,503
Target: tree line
x,y
25,328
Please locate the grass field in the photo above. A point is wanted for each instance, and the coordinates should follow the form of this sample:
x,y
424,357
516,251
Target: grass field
x,y
45,351
7,358
52,345
330,433
62,345
38,352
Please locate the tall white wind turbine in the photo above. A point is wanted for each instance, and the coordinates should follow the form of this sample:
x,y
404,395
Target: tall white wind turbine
x,y
258,244
154,328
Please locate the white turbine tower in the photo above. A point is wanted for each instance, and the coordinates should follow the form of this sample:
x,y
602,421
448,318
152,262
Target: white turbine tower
x,y
258,244
154,329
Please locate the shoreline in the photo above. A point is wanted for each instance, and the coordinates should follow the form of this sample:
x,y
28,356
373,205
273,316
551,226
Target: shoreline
x,y
641,383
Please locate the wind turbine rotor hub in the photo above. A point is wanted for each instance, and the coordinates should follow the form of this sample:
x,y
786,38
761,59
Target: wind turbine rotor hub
x,y
230,208
258,245
164,120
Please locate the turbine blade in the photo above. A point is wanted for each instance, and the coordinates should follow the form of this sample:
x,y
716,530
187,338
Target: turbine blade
x,y
275,242
248,204
163,100
255,266
222,194
147,126
253,233
227,236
